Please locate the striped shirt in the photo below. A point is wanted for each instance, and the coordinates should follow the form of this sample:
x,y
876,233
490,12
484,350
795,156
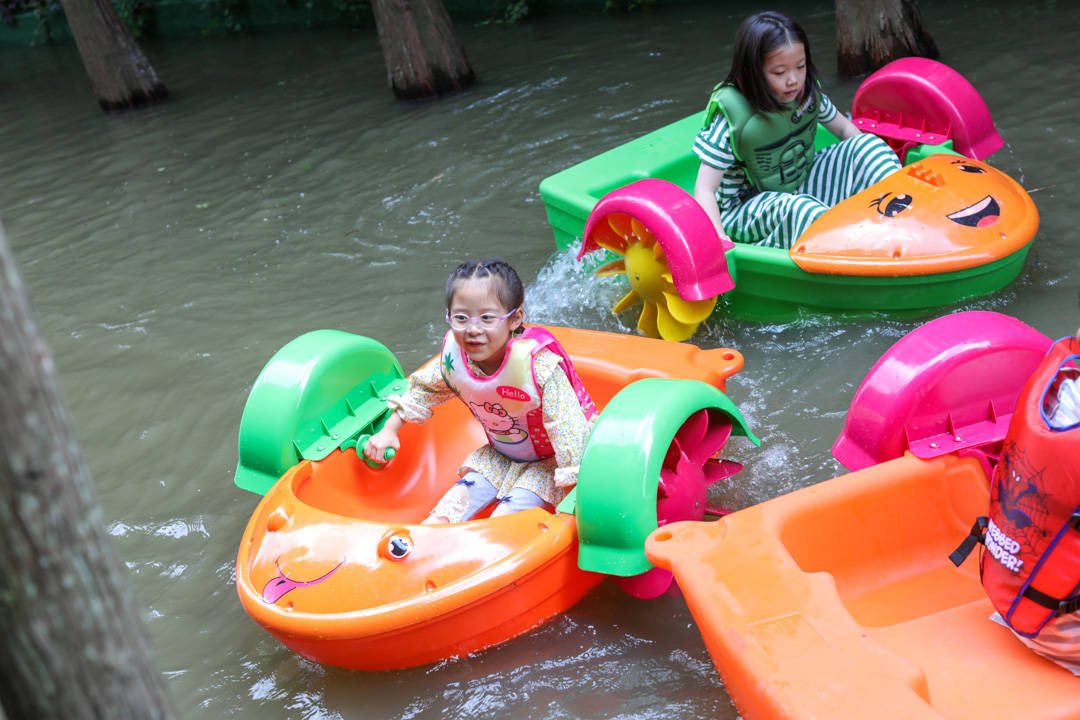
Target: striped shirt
x,y
713,147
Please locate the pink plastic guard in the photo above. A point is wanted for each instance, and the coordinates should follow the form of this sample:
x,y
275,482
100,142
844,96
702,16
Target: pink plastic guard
x,y
914,100
958,436
948,385
694,252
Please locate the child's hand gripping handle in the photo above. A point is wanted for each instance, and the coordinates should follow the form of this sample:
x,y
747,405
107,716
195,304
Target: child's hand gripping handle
x,y
376,451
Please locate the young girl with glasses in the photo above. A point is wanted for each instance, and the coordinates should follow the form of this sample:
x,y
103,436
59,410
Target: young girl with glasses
x,y
519,384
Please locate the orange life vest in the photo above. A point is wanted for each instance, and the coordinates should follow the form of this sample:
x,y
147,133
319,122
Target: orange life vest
x,y
1030,565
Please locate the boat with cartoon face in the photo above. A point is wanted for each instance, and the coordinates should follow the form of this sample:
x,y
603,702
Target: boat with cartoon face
x,y
335,561
944,228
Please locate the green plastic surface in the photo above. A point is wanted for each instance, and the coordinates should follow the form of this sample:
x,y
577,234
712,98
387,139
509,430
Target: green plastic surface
x,y
771,287
768,284
615,498
317,393
570,194
923,151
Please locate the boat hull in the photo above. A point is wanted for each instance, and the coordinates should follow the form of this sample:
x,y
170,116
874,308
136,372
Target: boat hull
x,y
337,564
839,600
769,286
498,604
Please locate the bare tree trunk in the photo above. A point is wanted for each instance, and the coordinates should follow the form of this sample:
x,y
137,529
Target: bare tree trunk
x,y
73,644
872,33
120,74
424,57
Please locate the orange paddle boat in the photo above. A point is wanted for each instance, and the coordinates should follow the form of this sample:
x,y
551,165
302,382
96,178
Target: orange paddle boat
x,y
335,562
839,600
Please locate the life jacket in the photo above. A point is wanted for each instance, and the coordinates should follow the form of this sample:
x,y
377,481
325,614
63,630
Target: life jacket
x,y
776,148
1030,564
508,404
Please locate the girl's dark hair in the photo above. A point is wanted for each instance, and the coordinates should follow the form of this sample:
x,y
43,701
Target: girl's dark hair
x,y
758,36
507,286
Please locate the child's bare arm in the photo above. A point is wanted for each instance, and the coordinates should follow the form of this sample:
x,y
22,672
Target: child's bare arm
x,y
386,438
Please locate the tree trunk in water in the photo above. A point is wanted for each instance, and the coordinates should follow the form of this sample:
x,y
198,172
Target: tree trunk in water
x,y
424,57
872,33
73,645
120,74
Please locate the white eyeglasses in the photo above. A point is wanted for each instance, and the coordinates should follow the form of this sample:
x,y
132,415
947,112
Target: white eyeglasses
x,y
487,321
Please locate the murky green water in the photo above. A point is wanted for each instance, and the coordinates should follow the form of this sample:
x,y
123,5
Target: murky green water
x,y
170,252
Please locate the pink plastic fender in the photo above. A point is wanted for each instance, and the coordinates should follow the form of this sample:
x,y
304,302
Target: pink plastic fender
x,y
695,253
915,100
946,386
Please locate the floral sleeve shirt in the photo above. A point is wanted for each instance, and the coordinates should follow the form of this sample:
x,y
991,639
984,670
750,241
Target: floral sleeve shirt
x,y
563,419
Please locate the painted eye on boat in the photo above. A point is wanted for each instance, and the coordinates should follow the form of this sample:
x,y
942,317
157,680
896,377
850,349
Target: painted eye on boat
x,y
398,547
892,207
969,168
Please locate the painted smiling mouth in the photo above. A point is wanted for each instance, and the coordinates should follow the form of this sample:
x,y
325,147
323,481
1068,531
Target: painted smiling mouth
x,y
281,584
984,213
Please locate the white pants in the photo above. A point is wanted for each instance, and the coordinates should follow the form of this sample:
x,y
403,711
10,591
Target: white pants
x,y
473,493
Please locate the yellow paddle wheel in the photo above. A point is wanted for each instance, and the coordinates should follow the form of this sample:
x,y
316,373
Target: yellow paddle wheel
x,y
664,314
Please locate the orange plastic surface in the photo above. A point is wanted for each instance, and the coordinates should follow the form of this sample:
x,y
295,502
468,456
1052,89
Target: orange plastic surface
x,y
938,215
839,601
322,532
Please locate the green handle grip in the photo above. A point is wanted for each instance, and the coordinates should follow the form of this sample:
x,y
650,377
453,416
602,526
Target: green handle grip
x,y
388,454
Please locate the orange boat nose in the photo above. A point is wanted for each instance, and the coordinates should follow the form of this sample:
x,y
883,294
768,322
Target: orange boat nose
x,y
941,214
305,559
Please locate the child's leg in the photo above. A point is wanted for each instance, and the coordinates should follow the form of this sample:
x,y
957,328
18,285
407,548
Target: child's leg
x,y
842,170
1058,641
519,499
468,496
772,219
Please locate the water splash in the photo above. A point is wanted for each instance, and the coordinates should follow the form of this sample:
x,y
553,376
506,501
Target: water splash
x,y
566,293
